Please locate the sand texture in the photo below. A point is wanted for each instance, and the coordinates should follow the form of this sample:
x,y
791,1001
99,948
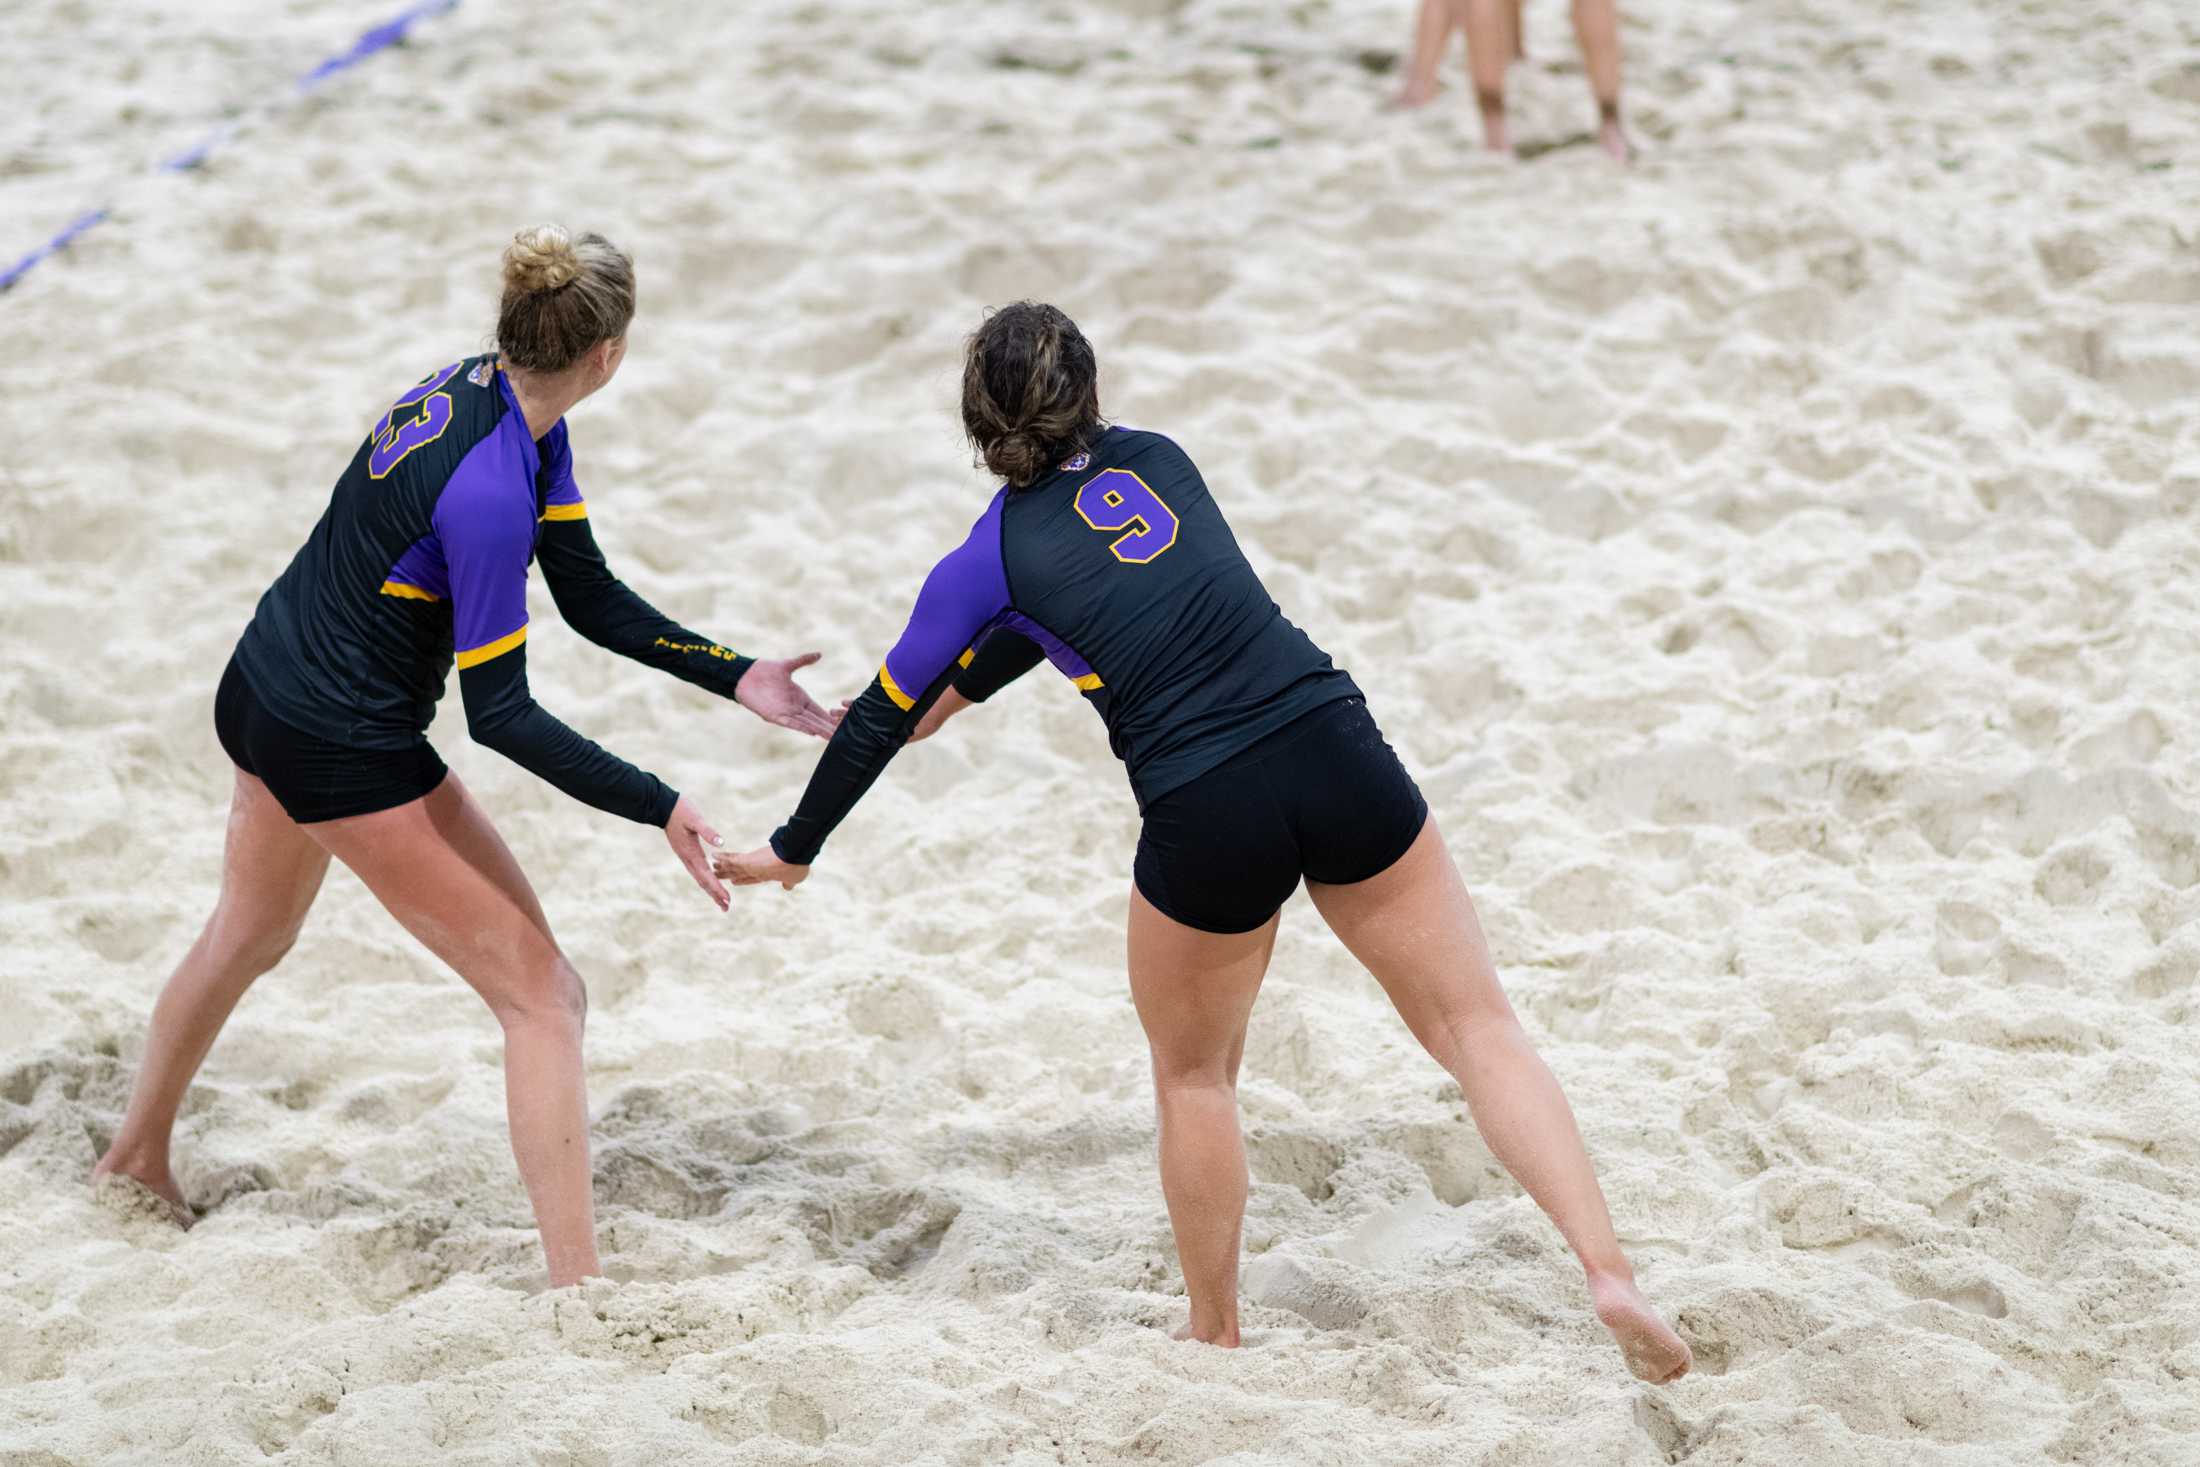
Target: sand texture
x,y
1776,562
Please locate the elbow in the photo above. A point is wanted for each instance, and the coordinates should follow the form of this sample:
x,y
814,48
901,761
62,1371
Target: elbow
x,y
495,731
579,617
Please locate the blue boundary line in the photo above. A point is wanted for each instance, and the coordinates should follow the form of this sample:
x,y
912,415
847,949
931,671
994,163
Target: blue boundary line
x,y
380,38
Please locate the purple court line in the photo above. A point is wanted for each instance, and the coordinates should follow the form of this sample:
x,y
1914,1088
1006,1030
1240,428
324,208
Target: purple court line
x,y
383,36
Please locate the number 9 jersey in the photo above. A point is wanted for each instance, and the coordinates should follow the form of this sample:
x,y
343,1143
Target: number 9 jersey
x,y
1118,568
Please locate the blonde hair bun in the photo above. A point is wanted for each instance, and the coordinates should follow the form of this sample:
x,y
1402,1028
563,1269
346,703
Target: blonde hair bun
x,y
563,293
541,258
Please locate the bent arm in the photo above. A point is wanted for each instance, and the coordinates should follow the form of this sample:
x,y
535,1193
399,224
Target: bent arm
x,y
602,608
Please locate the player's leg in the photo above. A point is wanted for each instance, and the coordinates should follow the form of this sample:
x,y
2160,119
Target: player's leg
x,y
1415,928
1596,26
1432,28
1492,36
271,872
1194,991
443,871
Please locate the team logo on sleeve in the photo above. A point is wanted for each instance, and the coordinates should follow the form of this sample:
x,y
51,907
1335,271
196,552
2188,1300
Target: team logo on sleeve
x,y
1077,461
482,372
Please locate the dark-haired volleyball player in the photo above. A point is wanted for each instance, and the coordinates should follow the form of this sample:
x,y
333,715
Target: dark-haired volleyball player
x,y
1255,763
421,559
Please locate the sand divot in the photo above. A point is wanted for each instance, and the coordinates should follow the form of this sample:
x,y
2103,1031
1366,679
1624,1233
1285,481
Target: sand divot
x,y
133,1201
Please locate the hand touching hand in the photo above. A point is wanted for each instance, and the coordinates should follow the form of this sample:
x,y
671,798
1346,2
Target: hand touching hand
x,y
754,868
688,833
769,691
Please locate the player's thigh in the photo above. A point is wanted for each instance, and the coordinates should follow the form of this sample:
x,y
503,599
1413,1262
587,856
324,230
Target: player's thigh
x,y
271,872
1413,927
439,866
1194,991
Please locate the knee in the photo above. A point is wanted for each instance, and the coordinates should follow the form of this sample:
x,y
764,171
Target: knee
x,y
1177,1073
548,992
254,954
274,950
1460,1036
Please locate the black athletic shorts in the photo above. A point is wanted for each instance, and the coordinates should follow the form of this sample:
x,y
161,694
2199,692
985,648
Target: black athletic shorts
x,y
1323,797
311,778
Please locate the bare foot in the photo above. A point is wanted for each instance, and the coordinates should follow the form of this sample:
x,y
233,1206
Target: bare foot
x,y
1411,96
150,1190
1496,136
1222,1336
1652,1351
1614,142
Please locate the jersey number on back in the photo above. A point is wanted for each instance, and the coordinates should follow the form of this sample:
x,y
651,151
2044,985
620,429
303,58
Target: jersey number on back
x,y
1119,500
393,440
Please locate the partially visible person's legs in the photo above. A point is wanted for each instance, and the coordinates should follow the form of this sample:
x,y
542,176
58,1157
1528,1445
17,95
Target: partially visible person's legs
x,y
1432,29
1194,991
271,872
1414,926
1596,26
1493,36
444,872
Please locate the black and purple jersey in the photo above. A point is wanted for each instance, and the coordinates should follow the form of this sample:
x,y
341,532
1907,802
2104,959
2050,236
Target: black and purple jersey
x,y
1119,569
421,560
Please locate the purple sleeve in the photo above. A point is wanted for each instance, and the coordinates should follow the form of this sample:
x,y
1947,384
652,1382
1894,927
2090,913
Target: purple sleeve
x,y
966,592
485,519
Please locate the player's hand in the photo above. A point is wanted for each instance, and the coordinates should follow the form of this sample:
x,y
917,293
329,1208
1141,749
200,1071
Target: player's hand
x,y
769,691
950,703
689,834
754,868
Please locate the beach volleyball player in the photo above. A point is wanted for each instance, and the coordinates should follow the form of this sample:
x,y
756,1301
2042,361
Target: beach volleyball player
x,y
1255,762
421,559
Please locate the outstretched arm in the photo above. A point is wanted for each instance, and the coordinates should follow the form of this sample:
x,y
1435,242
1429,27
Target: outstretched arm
x,y
962,596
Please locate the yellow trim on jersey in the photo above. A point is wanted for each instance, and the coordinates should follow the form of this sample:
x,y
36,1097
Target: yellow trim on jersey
x,y
969,653
893,690
409,593
574,511
475,656
1087,683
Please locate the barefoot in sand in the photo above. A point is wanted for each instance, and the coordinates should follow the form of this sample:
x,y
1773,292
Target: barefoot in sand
x,y
1612,137
1653,1352
1223,1337
1496,135
133,1187
1412,95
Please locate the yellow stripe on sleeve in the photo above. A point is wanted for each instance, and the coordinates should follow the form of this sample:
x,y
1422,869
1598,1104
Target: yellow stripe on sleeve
x,y
475,656
577,510
893,690
1087,683
965,659
409,593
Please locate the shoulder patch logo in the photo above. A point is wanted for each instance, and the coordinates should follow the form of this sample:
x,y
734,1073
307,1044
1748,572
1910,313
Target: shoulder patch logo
x,y
482,372
1073,464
